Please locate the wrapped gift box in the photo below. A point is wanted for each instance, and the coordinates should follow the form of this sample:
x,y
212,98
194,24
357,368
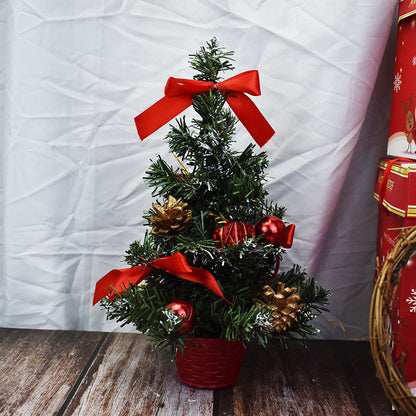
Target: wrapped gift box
x,y
402,134
396,192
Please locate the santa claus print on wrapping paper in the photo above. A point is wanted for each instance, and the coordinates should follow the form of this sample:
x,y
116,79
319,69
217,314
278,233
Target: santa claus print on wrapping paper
x,y
410,124
402,132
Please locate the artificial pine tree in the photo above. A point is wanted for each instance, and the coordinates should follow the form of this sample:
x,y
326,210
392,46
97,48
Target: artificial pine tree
x,y
206,208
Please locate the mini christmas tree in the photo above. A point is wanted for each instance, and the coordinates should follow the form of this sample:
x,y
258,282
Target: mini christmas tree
x,y
208,264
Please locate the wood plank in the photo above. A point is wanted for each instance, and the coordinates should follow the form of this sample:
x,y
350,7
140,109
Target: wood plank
x,y
357,355
262,389
128,378
297,381
38,368
88,373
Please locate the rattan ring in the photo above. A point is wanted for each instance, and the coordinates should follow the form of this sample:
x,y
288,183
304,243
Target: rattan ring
x,y
386,285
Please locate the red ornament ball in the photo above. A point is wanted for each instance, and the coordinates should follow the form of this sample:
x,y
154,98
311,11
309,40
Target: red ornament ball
x,y
275,231
185,310
233,233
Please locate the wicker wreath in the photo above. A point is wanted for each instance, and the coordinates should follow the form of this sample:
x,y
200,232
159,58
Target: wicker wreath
x,y
386,285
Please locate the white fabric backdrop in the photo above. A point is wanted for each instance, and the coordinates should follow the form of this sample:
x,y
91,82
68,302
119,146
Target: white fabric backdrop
x,y
76,74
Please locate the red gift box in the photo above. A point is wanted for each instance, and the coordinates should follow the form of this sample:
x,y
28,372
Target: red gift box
x,y
402,134
396,189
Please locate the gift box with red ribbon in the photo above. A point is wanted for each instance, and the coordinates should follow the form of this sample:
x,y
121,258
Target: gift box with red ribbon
x,y
395,190
402,134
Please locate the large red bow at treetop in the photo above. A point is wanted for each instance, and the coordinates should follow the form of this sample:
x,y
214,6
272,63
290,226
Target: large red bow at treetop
x,y
178,97
175,264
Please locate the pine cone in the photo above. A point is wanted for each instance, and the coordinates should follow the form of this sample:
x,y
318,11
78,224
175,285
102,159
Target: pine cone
x,y
283,304
171,218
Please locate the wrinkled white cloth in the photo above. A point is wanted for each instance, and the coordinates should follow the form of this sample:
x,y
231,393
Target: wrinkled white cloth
x,y
75,74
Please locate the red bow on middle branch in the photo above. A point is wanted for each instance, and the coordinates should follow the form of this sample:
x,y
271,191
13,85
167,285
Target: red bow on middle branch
x,y
178,97
175,264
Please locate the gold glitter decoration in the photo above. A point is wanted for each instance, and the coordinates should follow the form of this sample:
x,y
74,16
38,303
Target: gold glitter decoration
x,y
283,303
171,218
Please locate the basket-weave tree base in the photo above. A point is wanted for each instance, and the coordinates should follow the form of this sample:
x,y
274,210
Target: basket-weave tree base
x,y
386,285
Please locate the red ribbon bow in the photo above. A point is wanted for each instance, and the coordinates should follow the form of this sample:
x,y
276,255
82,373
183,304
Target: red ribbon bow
x,y
175,264
178,97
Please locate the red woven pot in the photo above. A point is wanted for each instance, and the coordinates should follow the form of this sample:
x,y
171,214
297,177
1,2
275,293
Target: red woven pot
x,y
210,363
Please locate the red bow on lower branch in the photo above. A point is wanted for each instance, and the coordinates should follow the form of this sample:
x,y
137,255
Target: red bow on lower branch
x,y
175,264
178,97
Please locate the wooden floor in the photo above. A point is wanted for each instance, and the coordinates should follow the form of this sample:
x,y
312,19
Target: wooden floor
x,y
90,373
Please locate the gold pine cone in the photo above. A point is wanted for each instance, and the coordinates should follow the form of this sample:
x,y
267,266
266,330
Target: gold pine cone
x,y
171,218
283,305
